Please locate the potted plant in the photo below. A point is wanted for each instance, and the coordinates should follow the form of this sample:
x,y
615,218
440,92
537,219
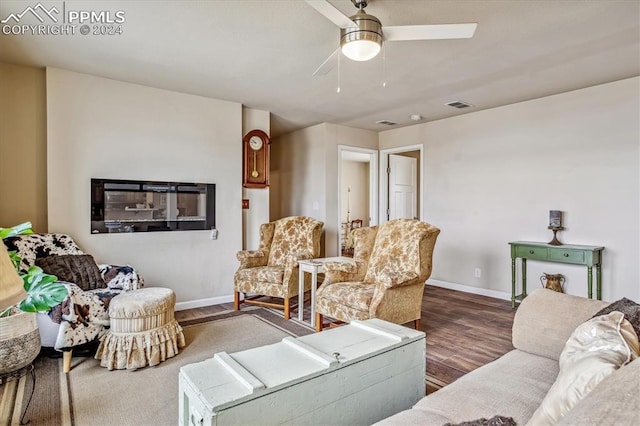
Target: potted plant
x,y
19,336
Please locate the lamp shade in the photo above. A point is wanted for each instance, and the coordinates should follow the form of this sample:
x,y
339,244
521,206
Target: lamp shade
x,y
11,286
364,41
361,50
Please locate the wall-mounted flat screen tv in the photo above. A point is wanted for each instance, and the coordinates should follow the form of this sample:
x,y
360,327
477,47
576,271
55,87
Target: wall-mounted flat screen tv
x,y
146,206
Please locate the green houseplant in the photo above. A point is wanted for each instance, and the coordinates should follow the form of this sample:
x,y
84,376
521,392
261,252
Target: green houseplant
x,y
19,335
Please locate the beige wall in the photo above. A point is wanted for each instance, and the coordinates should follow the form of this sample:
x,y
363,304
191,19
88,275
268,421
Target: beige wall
x,y
305,167
105,128
492,176
23,140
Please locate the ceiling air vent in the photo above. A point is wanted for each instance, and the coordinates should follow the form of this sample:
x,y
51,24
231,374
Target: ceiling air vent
x,y
386,122
459,104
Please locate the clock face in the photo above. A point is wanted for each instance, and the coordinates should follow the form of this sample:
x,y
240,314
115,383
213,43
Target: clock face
x,y
255,143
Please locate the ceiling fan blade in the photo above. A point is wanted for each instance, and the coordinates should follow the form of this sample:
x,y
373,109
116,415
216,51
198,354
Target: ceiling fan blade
x,y
331,13
429,32
328,64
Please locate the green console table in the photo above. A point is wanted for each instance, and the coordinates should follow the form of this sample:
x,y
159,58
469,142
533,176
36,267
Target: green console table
x,y
589,256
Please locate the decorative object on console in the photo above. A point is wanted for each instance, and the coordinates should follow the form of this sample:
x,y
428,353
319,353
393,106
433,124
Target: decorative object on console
x,y
555,224
255,166
553,282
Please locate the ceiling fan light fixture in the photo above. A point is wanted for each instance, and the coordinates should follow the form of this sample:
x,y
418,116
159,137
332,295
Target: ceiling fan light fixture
x,y
361,50
364,41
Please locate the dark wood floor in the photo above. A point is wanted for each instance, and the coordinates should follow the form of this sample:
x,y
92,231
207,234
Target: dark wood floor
x,y
464,331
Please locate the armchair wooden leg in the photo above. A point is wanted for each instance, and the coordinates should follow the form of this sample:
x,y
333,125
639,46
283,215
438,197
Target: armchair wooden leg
x,y
66,361
416,324
318,322
236,300
287,308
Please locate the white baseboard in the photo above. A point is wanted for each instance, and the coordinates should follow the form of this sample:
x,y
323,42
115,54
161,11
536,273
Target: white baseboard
x,y
469,289
199,303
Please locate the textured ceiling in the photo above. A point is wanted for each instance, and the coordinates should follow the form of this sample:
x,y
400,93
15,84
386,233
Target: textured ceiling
x,y
262,53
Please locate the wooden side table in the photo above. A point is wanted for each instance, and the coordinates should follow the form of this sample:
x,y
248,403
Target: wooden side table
x,y
314,267
590,256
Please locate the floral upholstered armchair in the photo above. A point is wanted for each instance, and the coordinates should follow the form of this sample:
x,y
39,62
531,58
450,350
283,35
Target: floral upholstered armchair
x,y
84,315
272,270
387,279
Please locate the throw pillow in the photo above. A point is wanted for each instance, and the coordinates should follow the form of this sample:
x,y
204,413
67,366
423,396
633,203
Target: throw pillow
x,y
595,350
493,421
79,269
629,308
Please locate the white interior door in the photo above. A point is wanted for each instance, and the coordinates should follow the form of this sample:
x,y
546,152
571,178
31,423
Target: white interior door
x,y
402,187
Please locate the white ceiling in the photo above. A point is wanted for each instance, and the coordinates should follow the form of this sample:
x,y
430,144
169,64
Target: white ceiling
x,y
262,53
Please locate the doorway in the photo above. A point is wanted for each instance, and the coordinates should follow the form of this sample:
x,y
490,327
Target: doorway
x,y
358,192
401,183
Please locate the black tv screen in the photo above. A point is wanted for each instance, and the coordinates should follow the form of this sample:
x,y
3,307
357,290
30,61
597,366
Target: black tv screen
x,y
147,206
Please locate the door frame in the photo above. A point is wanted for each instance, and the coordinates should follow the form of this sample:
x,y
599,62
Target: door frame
x,y
384,179
373,184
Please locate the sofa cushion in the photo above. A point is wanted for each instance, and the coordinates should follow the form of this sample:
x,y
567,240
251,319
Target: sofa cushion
x,y
356,295
546,333
514,385
294,235
391,251
264,274
79,269
594,351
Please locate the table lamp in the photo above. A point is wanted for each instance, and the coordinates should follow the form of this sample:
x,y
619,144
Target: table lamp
x,y
11,286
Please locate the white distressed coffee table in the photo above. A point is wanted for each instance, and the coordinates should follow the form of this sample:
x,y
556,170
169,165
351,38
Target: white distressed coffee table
x,y
356,374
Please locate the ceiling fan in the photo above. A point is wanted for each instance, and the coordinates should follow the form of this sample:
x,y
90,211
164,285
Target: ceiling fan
x,y
361,35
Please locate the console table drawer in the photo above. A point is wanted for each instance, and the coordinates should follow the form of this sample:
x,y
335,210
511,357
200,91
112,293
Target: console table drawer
x,y
531,252
569,256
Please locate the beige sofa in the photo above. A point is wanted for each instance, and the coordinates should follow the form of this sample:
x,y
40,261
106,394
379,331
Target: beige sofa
x,y
516,384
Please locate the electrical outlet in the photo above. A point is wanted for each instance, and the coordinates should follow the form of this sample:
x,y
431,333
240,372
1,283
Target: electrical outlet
x,y
214,234
478,272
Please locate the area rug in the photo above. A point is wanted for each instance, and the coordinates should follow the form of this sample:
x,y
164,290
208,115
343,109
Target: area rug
x,y
91,395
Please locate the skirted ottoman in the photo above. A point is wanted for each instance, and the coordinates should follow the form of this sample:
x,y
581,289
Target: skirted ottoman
x,y
143,330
